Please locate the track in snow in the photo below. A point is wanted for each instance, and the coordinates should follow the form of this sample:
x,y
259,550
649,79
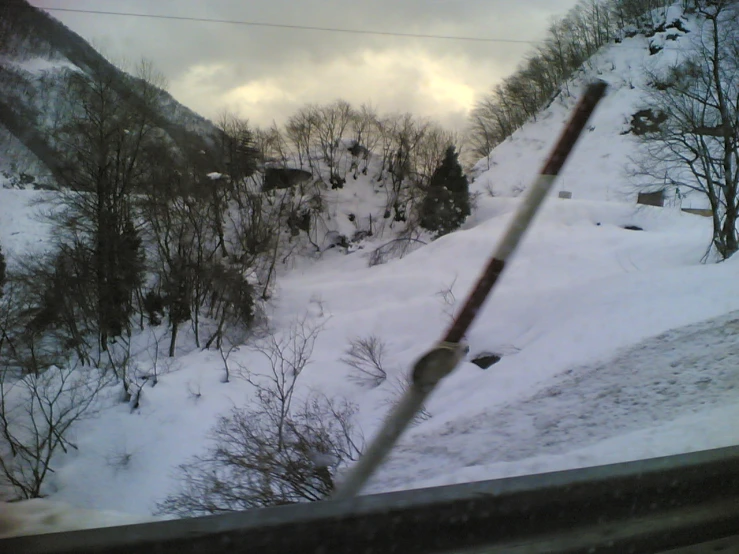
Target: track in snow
x,y
686,370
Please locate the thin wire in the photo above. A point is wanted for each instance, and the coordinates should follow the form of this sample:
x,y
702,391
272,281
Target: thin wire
x,y
285,26
323,29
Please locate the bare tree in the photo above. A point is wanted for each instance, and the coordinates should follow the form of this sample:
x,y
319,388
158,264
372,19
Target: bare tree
x,y
150,357
104,136
402,163
485,130
332,124
195,278
120,362
448,299
287,355
231,302
234,337
636,14
271,144
366,136
429,151
571,41
301,131
695,146
43,393
238,148
280,222
56,303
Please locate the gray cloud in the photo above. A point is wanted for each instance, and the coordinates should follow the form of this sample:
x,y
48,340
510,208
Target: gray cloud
x,y
267,73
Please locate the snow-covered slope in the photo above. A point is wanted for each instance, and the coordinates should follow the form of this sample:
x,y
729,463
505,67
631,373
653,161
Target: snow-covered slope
x,y
616,344
599,169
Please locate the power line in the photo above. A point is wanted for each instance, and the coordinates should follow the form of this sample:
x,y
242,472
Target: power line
x,y
313,28
285,26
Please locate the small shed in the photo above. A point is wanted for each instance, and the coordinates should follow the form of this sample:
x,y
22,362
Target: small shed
x,y
656,198
284,177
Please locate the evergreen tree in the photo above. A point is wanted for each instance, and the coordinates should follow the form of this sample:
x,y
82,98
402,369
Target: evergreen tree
x,y
2,272
178,292
447,202
124,272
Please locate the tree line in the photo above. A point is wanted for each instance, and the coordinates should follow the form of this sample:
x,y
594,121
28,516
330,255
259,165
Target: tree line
x,y
336,142
570,42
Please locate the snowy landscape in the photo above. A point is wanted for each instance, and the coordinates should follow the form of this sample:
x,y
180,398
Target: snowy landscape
x,y
615,329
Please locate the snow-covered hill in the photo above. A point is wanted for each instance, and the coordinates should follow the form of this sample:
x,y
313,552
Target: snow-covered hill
x,y
616,343
36,52
600,168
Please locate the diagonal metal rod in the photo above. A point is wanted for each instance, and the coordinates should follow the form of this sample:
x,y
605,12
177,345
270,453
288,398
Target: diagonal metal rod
x,y
441,360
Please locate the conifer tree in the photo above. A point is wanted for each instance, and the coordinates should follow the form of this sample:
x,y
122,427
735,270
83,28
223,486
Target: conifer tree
x,y
2,272
447,202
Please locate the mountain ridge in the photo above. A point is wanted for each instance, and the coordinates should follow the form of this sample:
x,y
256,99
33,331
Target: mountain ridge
x,y
30,34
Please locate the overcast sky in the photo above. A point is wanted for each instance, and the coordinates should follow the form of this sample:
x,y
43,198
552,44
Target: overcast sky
x,y
265,74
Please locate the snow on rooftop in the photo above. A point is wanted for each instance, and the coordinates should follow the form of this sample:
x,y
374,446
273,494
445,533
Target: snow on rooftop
x,y
41,65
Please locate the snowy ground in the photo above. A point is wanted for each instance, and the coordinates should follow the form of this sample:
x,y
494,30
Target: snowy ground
x,y
669,394
571,388
616,345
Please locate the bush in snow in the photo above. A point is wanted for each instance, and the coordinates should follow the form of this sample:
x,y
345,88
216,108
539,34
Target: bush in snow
x,y
36,413
271,454
43,392
397,248
365,356
258,460
399,386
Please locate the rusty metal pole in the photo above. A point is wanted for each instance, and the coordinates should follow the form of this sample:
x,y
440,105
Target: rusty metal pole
x,y
441,360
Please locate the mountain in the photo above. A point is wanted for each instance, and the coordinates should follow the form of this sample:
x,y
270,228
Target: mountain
x,y
37,52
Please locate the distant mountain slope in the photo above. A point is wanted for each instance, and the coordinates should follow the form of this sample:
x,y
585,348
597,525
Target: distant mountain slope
x,y
599,168
35,52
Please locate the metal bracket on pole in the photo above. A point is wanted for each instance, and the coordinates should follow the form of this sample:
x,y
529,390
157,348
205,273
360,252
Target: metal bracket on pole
x,y
437,363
